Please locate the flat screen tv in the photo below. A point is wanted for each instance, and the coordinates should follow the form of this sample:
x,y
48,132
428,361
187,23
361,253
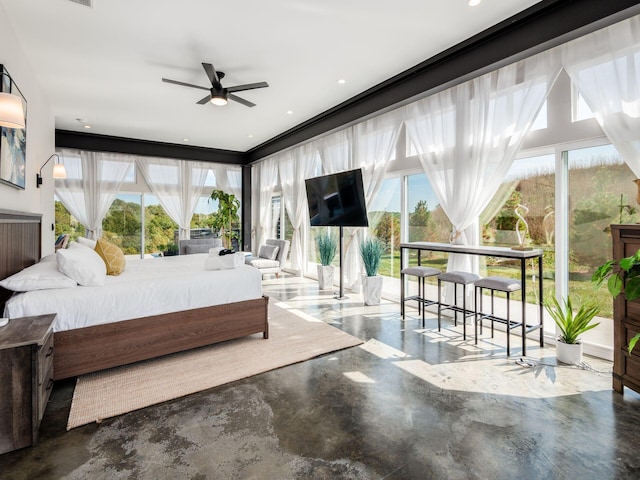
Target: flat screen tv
x,y
337,200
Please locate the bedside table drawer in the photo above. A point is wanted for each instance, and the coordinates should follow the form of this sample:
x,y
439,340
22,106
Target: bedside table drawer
x,y
26,379
44,391
45,374
45,358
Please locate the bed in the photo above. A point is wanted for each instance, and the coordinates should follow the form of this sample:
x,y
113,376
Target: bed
x,y
209,310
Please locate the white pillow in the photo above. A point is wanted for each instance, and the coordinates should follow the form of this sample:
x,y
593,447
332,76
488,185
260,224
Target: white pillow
x,y
41,276
269,252
87,242
82,264
224,262
49,258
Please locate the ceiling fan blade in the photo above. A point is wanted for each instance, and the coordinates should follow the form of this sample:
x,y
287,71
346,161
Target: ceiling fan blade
x,y
204,100
235,98
166,80
248,86
212,74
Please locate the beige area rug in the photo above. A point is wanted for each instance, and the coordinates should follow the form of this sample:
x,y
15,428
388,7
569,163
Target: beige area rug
x,y
293,337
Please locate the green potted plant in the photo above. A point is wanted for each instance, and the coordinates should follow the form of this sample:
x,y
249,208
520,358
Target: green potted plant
x,y
170,250
226,216
621,276
327,246
572,325
371,251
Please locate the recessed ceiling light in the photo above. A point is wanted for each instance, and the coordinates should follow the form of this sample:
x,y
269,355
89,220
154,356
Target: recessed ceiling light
x,y
250,136
87,126
473,3
342,81
185,139
289,112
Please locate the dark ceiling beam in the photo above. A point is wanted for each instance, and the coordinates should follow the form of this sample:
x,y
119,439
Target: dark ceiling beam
x,y
547,23
107,143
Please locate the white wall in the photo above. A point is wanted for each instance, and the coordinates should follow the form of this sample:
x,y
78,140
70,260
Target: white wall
x,y
40,137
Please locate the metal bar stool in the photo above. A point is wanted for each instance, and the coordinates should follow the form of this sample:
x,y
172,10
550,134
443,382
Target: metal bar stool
x,y
500,284
421,273
457,278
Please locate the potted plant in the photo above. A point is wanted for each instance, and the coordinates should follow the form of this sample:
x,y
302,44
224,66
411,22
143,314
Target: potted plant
x,y
571,325
327,247
371,251
621,276
170,250
226,216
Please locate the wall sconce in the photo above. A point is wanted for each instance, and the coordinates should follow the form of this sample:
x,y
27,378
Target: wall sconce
x,y
58,170
11,112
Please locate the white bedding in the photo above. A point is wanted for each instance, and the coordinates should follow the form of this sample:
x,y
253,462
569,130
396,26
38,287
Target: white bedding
x,y
146,287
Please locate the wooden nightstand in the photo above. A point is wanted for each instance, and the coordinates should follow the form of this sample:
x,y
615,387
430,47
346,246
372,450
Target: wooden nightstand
x,y
26,377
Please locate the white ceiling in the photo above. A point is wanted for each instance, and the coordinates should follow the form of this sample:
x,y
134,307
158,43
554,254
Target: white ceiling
x,y
104,64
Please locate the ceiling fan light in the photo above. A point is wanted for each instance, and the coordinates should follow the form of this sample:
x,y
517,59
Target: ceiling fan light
x,y
219,100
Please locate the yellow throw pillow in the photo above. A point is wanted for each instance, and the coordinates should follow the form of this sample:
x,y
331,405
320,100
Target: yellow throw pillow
x,y
112,256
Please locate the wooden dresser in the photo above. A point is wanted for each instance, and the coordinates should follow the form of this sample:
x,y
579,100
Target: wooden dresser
x,y
26,379
626,316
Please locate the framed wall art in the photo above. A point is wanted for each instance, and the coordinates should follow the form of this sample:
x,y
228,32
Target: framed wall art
x,y
13,141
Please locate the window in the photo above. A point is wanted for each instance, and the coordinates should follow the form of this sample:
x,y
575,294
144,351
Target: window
x,y
67,223
579,108
427,220
121,225
540,121
600,193
384,223
530,183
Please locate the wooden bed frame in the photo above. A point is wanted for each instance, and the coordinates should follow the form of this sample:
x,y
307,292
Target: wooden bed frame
x,y
90,349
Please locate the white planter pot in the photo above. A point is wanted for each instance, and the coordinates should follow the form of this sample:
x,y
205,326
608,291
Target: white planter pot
x,y
325,276
570,353
372,290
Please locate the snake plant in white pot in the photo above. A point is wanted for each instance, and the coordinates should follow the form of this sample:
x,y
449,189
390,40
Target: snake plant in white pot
x,y
571,325
327,247
371,251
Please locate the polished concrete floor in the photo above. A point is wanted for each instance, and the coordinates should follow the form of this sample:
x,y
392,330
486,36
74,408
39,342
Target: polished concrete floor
x,y
410,403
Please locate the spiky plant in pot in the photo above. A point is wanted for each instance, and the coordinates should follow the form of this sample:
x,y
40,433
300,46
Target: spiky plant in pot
x,y
371,251
327,247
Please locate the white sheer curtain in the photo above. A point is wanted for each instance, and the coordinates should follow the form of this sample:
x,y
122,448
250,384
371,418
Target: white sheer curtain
x,y
467,137
178,185
605,68
374,145
93,180
336,151
264,178
228,178
374,142
336,155
295,166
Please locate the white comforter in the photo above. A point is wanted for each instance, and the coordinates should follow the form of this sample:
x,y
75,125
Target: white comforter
x,y
146,287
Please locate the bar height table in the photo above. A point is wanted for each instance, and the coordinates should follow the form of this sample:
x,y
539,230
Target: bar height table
x,y
487,251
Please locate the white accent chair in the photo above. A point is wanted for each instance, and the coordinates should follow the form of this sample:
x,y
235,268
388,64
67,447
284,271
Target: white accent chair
x,y
267,261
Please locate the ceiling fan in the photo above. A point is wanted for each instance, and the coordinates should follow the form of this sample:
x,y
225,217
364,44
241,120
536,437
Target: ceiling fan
x,y
218,94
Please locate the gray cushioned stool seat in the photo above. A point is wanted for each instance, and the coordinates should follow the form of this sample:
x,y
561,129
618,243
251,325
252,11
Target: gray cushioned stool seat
x,y
502,284
464,278
457,278
421,273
